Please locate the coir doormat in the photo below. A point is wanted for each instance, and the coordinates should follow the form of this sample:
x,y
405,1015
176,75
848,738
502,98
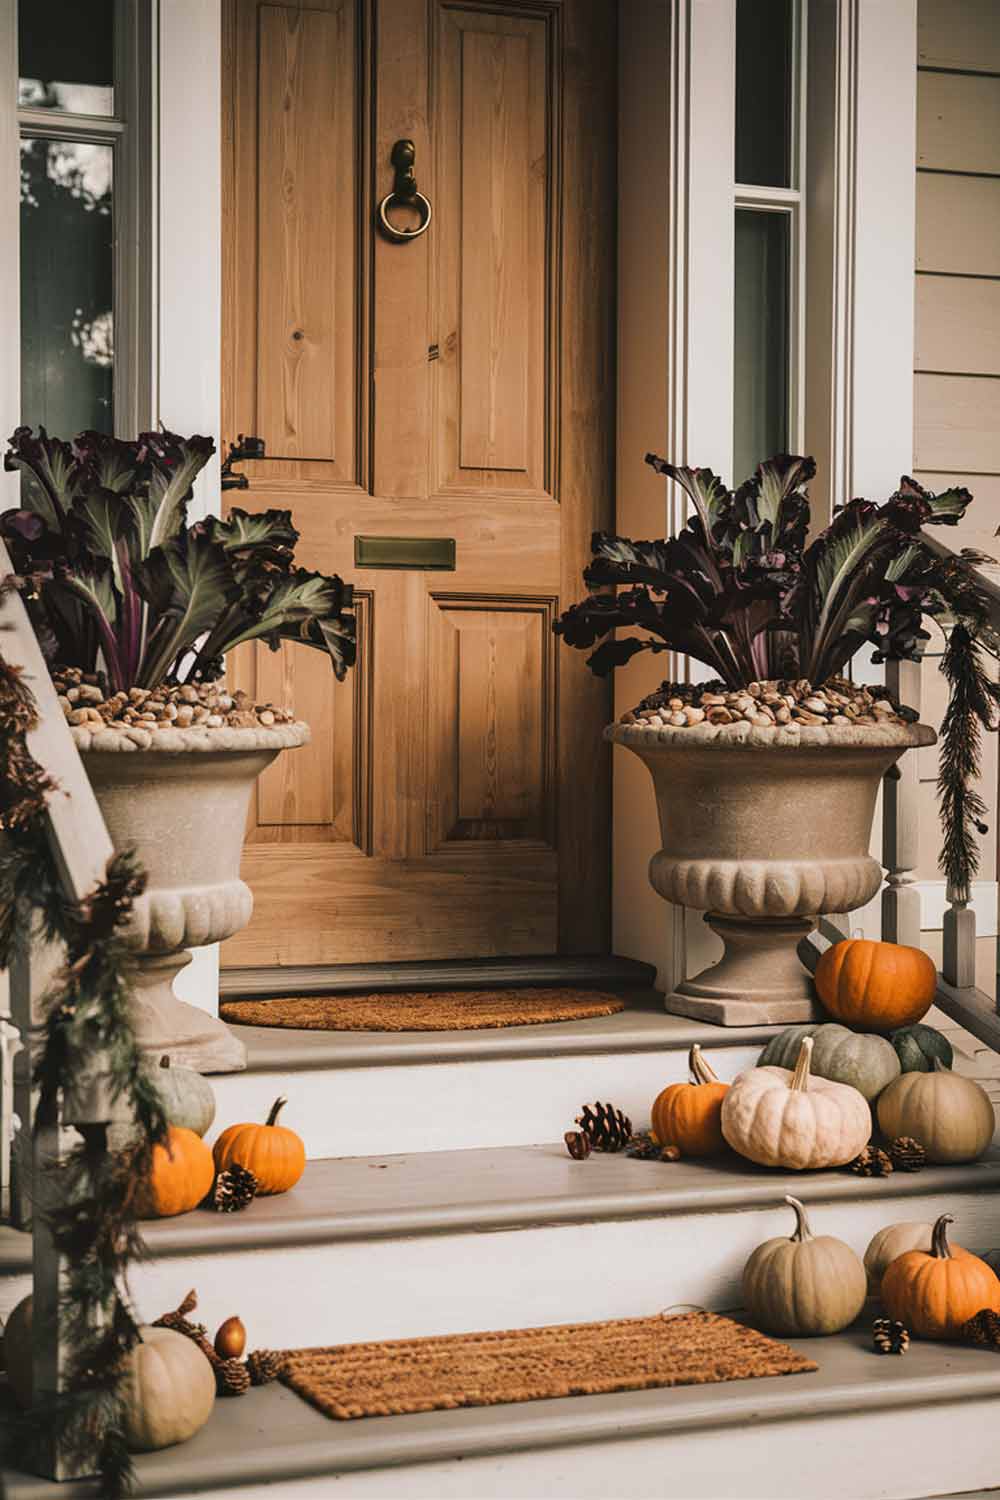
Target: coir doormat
x,y
442,1010
534,1364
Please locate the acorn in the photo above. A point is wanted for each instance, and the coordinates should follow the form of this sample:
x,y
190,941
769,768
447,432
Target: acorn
x,y
231,1339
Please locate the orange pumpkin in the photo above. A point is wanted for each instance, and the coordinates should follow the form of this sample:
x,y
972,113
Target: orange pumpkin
x,y
689,1115
934,1292
273,1153
181,1173
875,986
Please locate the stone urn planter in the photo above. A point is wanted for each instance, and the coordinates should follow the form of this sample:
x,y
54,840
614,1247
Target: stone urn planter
x,y
181,803
764,830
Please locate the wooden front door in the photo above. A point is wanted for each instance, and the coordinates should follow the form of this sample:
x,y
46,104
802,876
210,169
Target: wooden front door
x,y
454,801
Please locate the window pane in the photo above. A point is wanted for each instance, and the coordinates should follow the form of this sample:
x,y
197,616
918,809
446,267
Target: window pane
x,y
763,92
67,233
762,343
66,55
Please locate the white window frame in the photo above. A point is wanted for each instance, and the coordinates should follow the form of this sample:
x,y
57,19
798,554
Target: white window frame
x,y
129,131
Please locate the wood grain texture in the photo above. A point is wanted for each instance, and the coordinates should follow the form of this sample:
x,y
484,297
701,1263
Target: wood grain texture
x,y
958,121
476,737
958,224
958,34
957,423
588,331
957,325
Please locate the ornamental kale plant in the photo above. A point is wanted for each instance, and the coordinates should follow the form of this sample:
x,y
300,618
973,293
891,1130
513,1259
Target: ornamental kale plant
x,y
115,579
739,589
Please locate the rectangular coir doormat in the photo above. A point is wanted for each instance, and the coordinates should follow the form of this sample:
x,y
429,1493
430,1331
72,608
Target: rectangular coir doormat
x,y
534,1364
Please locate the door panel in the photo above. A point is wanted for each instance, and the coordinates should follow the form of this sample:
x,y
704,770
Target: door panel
x,y
454,799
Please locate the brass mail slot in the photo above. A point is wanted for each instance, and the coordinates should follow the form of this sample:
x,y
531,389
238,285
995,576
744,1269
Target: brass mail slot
x,y
421,552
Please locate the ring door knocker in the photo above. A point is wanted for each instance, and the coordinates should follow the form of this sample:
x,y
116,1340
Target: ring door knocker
x,y
404,191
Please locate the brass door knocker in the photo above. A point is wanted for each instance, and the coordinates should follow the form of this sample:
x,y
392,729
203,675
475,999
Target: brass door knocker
x,y
404,190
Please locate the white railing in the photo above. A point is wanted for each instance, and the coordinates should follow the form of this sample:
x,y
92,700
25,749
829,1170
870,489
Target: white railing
x,y
82,847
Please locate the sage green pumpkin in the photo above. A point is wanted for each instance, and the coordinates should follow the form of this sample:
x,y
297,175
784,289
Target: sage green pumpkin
x,y
865,1061
917,1046
188,1098
803,1285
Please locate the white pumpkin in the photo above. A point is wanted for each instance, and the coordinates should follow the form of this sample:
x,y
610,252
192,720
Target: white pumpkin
x,y
949,1115
893,1240
788,1119
168,1390
803,1285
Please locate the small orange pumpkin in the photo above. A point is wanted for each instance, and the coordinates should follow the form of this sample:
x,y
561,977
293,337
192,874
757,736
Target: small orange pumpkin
x,y
934,1292
181,1173
875,986
689,1115
273,1153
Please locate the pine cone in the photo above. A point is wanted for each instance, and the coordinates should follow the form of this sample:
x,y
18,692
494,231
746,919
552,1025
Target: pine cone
x,y
605,1127
871,1163
889,1337
234,1189
983,1328
196,1332
577,1145
906,1154
232,1378
264,1365
644,1147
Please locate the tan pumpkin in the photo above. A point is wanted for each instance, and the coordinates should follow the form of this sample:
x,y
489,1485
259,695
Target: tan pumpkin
x,y
804,1285
18,1351
181,1173
789,1119
689,1115
951,1116
168,1390
892,1241
875,986
935,1291
273,1153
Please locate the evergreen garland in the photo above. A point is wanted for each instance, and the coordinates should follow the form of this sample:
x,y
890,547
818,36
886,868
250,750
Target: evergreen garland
x,y
972,704
94,1224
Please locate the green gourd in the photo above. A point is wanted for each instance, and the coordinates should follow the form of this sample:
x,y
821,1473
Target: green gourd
x,y
188,1098
917,1046
865,1061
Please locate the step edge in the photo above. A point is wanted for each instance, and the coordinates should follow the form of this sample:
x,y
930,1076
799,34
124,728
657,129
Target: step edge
x,y
229,1234
525,1427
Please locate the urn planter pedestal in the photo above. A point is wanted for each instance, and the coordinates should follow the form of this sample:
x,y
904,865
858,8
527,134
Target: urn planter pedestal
x,y
764,830
181,804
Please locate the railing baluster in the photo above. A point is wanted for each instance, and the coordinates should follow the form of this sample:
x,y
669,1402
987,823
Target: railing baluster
x,y
901,907
958,964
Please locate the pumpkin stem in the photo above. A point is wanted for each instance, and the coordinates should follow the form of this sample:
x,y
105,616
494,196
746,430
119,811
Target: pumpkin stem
x,y
165,1060
939,1237
276,1109
800,1078
700,1070
802,1230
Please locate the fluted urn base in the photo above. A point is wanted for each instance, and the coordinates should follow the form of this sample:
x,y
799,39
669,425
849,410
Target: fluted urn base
x,y
764,830
181,804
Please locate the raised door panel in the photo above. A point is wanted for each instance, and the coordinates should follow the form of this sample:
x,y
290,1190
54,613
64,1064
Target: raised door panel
x,y
492,717
493,374
292,272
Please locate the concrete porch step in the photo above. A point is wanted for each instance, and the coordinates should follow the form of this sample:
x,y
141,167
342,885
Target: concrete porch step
x,y
860,1428
354,1093
447,1242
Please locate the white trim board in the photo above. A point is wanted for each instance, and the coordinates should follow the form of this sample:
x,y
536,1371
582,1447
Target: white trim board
x,y
933,905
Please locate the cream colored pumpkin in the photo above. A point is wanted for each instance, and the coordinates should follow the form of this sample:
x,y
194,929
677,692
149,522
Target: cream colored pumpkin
x,y
168,1390
789,1119
893,1240
949,1115
804,1285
